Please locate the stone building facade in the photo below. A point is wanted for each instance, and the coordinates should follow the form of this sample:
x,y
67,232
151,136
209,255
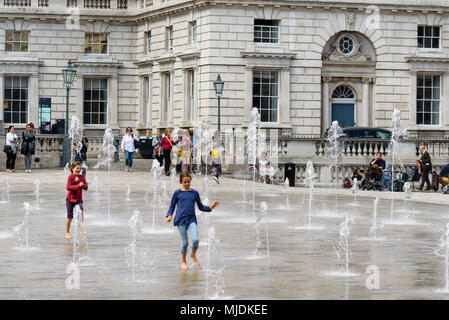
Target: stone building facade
x,y
151,64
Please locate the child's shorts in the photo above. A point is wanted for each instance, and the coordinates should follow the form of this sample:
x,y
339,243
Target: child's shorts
x,y
70,206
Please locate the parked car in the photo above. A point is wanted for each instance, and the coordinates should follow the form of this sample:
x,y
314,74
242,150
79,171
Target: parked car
x,y
364,132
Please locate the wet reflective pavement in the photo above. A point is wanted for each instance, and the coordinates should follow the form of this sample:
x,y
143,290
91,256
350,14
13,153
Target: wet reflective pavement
x,y
301,265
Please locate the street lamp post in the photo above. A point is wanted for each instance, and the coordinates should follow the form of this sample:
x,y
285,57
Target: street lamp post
x,y
218,86
68,75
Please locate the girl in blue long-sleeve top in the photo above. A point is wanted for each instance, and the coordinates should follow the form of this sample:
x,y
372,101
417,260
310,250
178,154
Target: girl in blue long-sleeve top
x,y
185,218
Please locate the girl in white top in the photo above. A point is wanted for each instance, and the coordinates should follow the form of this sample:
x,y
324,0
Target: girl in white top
x,y
128,148
11,140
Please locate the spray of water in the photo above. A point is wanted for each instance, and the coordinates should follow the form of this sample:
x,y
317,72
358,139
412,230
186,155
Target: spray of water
x,y
397,132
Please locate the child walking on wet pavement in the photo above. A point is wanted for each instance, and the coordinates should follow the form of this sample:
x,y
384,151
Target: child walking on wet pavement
x,y
185,218
75,185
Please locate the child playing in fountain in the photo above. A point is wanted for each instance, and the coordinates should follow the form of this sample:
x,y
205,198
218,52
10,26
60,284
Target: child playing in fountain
x,y
75,185
185,217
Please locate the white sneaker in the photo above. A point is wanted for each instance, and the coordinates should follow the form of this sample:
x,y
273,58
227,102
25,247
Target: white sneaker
x,y
216,180
29,170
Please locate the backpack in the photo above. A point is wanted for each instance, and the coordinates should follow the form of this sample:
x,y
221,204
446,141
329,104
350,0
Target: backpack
x,y
347,183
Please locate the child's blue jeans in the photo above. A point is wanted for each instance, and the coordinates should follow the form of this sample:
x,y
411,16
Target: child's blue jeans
x,y
193,229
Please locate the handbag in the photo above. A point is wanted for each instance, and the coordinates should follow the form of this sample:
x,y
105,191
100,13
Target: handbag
x,y
7,149
136,143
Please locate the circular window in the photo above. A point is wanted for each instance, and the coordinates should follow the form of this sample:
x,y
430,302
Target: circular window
x,y
346,45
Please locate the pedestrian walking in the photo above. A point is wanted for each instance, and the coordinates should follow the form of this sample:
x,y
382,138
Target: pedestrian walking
x,y
28,146
426,165
129,148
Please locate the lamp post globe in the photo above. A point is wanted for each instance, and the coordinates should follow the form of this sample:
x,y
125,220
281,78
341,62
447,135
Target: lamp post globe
x,y
68,75
218,86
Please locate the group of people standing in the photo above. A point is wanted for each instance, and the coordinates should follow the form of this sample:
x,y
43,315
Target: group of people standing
x,y
163,145
27,148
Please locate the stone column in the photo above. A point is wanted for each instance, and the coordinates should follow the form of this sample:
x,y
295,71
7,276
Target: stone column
x,y
284,95
141,101
365,102
185,98
113,102
326,119
33,99
79,97
443,98
2,90
412,125
249,94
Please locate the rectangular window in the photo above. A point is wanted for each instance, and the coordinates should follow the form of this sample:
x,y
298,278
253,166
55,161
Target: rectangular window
x,y
428,93
95,101
96,43
193,32
16,41
266,94
167,97
16,100
148,41
266,31
191,95
429,37
169,36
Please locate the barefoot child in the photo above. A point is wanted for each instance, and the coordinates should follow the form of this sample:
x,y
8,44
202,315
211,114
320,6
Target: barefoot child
x,y
75,185
185,217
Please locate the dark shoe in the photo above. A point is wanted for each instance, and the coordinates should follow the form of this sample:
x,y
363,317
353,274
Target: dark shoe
x,y
420,189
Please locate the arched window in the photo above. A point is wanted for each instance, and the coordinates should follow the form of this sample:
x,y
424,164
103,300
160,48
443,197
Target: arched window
x,y
343,92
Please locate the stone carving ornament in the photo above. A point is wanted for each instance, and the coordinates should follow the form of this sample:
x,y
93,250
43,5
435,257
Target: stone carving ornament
x,y
346,48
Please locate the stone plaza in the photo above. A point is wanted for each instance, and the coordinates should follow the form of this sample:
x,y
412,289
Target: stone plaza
x,y
291,261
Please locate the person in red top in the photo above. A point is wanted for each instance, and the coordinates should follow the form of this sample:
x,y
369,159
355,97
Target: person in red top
x,y
167,144
75,185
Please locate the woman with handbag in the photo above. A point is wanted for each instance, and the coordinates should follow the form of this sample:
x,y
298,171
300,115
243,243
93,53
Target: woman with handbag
x,y
157,149
129,147
28,146
11,149
167,144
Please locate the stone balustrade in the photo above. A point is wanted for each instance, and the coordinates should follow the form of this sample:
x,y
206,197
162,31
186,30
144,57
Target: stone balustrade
x,y
87,4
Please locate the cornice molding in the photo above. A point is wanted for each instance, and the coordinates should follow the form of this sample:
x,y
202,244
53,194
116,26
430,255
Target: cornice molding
x,y
273,55
189,55
427,59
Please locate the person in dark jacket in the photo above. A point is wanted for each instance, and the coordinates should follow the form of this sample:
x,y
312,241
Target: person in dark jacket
x,y
378,161
426,165
28,146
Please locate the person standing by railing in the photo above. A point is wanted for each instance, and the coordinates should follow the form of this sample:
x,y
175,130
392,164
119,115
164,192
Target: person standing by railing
x,y
28,146
11,149
426,165
128,148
